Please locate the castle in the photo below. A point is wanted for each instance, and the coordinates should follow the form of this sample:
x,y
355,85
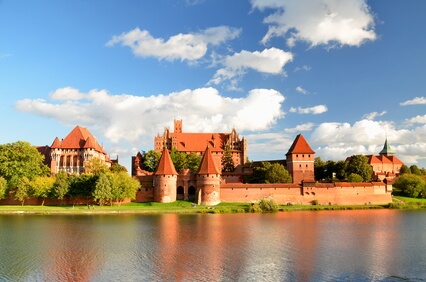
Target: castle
x,y
210,186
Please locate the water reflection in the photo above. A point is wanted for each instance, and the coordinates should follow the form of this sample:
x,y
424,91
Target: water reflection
x,y
295,246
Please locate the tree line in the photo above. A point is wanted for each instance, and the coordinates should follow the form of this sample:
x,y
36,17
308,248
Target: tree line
x,y
23,175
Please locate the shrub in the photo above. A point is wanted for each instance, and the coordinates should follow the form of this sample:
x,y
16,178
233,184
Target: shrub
x,y
268,205
315,202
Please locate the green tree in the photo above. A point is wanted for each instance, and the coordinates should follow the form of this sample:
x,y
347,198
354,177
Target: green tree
x,y
404,169
179,159
415,170
61,185
193,162
116,167
42,187
277,173
259,173
150,160
81,185
353,177
123,186
320,168
358,164
3,188
340,169
103,189
412,185
23,190
20,159
96,166
227,160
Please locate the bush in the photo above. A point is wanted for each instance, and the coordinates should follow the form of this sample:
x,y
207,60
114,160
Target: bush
x,y
268,205
315,202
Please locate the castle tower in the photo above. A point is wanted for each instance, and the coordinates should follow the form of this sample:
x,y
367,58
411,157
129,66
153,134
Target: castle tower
x,y
208,180
165,178
300,160
177,126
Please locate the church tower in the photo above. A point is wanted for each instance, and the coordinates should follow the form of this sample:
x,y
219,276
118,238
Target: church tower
x,y
165,179
300,160
208,180
387,150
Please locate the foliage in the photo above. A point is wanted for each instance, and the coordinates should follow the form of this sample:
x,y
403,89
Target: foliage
x,y
20,159
320,169
123,186
150,160
81,185
3,188
179,159
411,185
353,177
61,185
358,164
276,173
269,173
404,169
227,160
315,202
42,187
339,168
96,166
415,170
103,189
23,190
193,162
268,205
116,167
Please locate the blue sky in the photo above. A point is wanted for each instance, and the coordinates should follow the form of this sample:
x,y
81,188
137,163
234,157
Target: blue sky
x,y
345,74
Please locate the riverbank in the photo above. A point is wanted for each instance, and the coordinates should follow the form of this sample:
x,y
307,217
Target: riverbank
x,y
188,207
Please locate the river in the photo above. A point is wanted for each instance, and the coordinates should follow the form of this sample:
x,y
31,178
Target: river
x,y
360,245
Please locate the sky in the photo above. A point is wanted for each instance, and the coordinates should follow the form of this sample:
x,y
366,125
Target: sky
x,y
344,74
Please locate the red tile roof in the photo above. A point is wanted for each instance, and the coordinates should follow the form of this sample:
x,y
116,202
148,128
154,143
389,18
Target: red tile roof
x,y
300,146
165,165
79,138
197,142
207,165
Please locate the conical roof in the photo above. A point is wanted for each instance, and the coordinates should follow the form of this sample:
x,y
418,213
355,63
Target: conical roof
x,y
56,144
387,150
300,146
165,165
208,165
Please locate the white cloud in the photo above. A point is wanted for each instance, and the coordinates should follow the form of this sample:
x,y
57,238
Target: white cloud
x,y
129,118
373,115
417,119
191,46
318,22
415,101
302,68
301,127
319,109
301,90
268,61
67,93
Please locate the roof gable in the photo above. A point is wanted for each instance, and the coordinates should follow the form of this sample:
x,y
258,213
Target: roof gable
x,y
300,146
165,165
79,138
207,165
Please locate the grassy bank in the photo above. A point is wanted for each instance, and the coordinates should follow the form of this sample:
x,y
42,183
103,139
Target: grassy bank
x,y
176,207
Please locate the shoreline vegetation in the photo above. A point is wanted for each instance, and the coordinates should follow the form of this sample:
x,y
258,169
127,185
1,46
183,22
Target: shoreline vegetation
x,y
185,207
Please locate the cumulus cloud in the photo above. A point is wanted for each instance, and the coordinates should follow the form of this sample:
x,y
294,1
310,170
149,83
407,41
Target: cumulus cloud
x,y
128,117
373,115
417,119
329,22
268,61
337,141
415,101
319,109
190,46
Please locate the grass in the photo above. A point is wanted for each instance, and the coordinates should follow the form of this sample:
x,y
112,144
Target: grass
x,y
403,202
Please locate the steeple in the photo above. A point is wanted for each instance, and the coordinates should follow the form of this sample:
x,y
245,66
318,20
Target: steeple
x,y
207,165
300,146
387,150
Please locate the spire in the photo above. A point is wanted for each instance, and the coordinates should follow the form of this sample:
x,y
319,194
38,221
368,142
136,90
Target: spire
x,y
56,144
207,165
165,165
387,150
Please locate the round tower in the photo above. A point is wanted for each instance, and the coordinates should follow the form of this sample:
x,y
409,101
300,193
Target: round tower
x,y
165,179
208,181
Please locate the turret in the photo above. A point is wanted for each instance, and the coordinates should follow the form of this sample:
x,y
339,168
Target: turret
x,y
300,160
165,179
208,180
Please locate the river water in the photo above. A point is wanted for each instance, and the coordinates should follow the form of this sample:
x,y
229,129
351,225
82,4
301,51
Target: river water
x,y
363,245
